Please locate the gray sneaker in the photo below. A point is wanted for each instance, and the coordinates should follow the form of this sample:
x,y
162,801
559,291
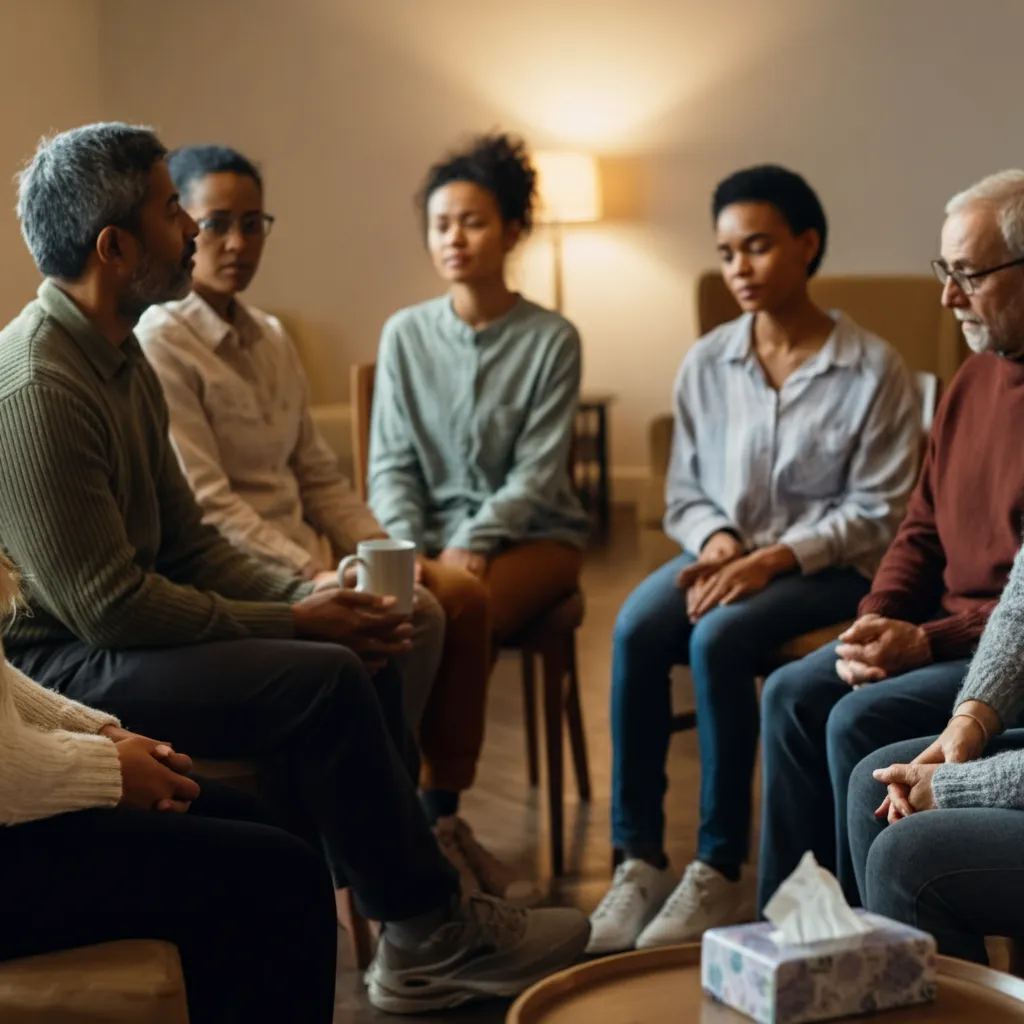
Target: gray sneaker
x,y
489,949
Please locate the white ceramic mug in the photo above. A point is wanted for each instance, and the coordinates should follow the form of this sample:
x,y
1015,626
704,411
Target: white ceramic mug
x,y
387,568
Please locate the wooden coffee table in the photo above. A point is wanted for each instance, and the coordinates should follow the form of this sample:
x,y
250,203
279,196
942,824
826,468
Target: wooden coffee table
x,y
662,986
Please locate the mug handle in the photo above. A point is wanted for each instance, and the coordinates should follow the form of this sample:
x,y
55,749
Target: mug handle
x,y
345,564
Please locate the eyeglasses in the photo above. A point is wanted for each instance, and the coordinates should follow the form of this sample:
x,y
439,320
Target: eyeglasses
x,y
250,224
964,280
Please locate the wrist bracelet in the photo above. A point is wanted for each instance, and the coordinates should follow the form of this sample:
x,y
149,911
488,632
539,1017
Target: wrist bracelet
x,y
974,718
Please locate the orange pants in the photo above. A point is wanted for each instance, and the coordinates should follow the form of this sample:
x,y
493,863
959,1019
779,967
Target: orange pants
x,y
519,585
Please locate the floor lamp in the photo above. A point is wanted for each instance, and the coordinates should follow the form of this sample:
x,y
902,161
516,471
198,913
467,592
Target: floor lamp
x,y
569,194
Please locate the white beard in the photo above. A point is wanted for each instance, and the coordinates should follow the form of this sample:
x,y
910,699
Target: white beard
x,y
977,336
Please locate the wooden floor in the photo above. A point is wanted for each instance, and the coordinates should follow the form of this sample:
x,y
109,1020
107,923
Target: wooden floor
x,y
510,818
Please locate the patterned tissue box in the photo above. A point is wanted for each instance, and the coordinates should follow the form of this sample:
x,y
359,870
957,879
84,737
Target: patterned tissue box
x,y
744,967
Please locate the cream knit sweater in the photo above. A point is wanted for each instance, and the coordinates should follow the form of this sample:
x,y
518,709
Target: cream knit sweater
x,y
51,758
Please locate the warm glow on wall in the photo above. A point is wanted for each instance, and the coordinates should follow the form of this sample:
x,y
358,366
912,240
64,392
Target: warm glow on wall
x,y
568,186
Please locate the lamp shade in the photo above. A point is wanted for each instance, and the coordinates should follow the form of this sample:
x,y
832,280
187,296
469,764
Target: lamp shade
x,y
568,186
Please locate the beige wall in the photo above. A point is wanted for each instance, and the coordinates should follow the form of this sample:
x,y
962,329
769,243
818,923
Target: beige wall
x,y
49,80
886,107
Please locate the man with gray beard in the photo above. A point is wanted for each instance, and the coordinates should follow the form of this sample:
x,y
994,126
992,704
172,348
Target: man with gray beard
x,y
895,673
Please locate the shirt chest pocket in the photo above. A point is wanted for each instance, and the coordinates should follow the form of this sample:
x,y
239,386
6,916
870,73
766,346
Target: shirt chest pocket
x,y
820,468
497,436
242,432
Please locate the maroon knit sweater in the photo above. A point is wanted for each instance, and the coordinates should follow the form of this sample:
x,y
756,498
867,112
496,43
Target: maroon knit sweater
x,y
952,554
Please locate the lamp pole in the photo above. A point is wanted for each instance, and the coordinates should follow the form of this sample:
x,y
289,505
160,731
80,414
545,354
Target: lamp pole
x,y
556,263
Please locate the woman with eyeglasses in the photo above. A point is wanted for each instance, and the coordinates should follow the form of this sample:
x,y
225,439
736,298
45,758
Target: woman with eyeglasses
x,y
240,414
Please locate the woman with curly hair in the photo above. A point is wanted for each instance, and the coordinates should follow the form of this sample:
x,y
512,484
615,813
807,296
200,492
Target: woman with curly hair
x,y
472,423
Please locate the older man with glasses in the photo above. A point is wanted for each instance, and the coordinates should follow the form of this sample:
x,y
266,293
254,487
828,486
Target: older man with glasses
x,y
894,675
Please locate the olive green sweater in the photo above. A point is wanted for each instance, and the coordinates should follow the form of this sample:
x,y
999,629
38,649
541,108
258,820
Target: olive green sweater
x,y
94,510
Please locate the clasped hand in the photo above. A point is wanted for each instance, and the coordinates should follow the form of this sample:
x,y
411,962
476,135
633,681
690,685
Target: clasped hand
x,y
154,776
909,786
724,574
366,623
875,648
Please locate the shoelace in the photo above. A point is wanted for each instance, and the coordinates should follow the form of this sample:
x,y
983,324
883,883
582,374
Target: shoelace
x,y
687,896
625,891
496,919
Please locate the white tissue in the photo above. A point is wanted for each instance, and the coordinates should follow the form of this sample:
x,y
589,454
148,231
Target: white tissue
x,y
809,907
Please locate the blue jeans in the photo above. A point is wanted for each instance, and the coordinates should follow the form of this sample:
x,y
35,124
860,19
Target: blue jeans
x,y
723,650
957,874
816,730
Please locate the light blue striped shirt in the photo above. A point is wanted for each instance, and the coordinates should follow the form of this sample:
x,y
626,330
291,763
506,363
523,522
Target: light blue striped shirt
x,y
471,431
825,465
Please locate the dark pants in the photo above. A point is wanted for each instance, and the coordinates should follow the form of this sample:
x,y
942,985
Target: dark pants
x,y
957,874
312,714
815,730
249,906
723,650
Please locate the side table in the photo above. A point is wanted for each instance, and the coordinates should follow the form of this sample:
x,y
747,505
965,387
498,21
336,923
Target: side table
x,y
590,457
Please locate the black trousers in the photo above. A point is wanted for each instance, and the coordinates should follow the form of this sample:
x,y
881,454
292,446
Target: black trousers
x,y
249,906
328,734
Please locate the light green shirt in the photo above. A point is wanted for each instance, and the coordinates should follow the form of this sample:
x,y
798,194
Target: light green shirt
x,y
472,430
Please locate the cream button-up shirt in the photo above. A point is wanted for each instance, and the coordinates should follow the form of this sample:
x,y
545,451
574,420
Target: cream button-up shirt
x,y
242,431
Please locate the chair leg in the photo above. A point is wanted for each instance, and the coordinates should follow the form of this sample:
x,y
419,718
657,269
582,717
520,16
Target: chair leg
x,y
530,717
574,719
358,929
1017,957
553,657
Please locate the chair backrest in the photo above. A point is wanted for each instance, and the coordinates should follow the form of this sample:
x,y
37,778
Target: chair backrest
x,y
363,377
903,309
927,387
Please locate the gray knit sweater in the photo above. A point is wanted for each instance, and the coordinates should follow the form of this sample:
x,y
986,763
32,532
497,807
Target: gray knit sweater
x,y
995,677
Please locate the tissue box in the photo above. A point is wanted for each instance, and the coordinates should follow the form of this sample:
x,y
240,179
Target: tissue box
x,y
892,965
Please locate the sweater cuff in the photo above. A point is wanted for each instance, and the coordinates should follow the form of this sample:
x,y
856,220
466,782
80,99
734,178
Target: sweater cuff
x,y
92,779
269,619
884,605
79,718
953,637
996,781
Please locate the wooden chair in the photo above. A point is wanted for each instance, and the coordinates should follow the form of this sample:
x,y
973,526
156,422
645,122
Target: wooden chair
x,y
551,638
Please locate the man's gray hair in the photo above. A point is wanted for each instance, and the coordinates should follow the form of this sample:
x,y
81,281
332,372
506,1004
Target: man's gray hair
x,y
1006,190
78,183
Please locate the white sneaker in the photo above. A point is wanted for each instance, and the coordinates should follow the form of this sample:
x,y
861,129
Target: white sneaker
x,y
488,949
704,899
637,893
